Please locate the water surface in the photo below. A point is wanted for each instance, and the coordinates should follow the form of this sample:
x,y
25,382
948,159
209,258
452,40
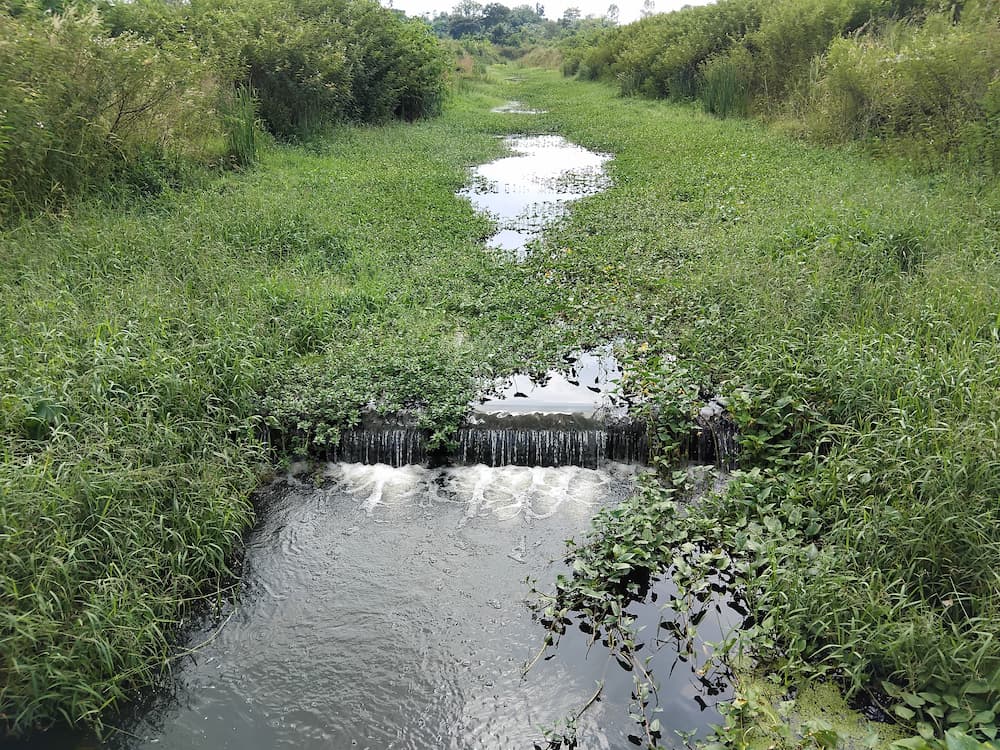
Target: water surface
x,y
526,191
388,608
516,108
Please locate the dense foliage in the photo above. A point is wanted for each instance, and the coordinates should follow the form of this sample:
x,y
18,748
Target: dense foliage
x,y
908,76
135,94
847,312
493,32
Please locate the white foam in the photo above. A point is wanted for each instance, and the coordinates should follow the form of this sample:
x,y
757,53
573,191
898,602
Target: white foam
x,y
504,493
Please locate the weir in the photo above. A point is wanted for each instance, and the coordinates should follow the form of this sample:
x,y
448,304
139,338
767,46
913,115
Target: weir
x,y
563,418
500,445
572,418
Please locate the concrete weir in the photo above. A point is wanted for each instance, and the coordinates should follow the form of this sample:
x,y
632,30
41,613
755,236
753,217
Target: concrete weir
x,y
571,417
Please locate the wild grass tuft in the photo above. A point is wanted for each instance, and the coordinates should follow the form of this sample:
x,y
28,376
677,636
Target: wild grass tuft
x,y
243,132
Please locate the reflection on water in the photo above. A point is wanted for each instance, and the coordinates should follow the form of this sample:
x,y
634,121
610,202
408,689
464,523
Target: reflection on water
x,y
589,388
388,608
516,108
528,190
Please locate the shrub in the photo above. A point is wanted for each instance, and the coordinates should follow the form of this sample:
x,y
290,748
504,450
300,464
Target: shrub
x,y
81,107
930,90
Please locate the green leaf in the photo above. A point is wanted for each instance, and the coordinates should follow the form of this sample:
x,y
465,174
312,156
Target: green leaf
x,y
911,743
955,740
977,687
903,712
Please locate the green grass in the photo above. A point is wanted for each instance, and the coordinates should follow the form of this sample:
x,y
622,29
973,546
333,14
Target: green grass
x,y
847,308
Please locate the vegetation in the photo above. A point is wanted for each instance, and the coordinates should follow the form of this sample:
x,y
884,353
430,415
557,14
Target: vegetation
x,y
142,95
141,347
844,308
913,77
515,29
846,312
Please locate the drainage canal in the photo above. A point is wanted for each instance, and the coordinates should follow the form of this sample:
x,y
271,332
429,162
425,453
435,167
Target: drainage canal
x,y
385,602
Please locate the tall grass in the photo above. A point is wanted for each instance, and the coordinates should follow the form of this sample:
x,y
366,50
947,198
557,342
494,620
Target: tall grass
x,y
243,136
725,88
81,109
905,77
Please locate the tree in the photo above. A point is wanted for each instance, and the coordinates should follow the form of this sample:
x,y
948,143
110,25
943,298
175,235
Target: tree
x,y
570,18
495,14
648,8
612,14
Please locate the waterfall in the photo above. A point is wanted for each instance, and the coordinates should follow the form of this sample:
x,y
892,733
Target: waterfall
x,y
537,440
715,439
499,445
571,417
520,446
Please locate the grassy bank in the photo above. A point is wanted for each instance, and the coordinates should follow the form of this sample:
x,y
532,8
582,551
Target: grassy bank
x,y
912,78
141,96
846,309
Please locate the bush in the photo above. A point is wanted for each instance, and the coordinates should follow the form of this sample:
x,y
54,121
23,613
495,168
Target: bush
x,y
792,34
138,92
81,107
929,90
894,73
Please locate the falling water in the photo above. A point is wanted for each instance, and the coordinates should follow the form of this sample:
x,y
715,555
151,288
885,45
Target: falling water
x,y
716,438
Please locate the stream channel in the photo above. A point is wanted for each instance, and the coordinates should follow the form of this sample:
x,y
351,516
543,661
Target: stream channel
x,y
388,606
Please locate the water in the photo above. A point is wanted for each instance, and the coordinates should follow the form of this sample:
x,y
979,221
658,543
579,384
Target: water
x,y
589,388
516,108
564,417
387,608
525,192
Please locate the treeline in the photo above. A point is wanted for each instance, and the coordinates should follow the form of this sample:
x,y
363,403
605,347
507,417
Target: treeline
x,y
136,93
512,32
916,77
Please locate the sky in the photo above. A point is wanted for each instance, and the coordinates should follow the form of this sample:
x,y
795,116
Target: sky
x,y
628,10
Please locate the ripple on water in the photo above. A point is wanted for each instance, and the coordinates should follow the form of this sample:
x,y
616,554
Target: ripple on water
x,y
387,608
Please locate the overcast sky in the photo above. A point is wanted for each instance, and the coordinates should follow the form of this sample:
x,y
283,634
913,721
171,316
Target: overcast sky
x,y
628,10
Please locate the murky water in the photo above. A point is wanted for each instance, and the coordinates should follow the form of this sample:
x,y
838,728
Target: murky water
x,y
524,192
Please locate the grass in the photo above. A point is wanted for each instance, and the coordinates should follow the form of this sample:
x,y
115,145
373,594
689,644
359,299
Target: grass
x,y
845,307
141,344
